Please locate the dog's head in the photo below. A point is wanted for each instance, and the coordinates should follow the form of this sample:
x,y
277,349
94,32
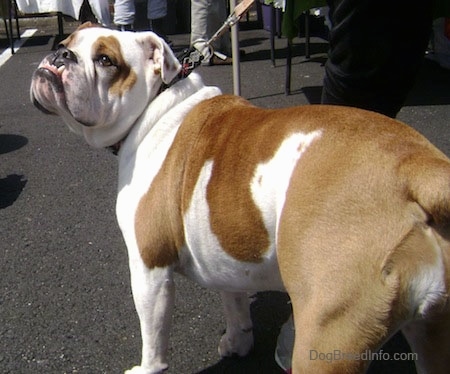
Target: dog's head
x,y
100,80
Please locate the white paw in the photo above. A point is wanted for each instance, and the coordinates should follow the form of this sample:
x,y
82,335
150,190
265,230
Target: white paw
x,y
141,370
236,344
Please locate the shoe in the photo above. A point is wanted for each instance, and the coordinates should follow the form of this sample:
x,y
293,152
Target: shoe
x,y
216,60
285,345
219,58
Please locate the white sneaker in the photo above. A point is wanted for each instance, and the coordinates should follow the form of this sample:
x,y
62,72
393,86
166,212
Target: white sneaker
x,y
285,345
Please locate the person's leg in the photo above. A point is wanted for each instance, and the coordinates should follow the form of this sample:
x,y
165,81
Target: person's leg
x,y
200,14
376,49
199,19
124,11
157,15
218,15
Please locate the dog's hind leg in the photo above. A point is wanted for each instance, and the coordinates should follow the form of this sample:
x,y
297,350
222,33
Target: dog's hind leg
x,y
430,342
238,338
335,337
341,300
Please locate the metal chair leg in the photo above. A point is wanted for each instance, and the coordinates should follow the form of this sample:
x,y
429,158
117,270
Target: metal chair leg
x,y
272,35
9,35
8,28
287,86
15,8
287,89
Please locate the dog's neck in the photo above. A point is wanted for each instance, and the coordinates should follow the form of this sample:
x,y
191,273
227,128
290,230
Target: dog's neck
x,y
159,116
166,98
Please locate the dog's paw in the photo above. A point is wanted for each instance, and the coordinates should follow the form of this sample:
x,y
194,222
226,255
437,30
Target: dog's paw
x,y
236,344
141,370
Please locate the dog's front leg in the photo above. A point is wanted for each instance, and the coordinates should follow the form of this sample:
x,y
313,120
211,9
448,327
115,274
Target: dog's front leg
x,y
153,293
238,338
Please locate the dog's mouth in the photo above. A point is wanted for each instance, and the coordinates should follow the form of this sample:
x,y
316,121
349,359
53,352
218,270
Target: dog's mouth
x,y
48,88
52,74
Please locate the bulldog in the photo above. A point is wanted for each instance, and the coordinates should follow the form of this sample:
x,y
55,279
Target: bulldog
x,y
346,210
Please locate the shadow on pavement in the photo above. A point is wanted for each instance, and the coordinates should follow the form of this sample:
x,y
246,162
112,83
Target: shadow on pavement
x,y
9,142
10,189
269,311
12,185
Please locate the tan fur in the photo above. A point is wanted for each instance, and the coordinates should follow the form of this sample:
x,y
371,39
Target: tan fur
x,y
158,220
366,210
224,130
352,238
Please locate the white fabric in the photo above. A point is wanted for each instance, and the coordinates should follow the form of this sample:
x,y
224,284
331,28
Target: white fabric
x,y
124,11
100,8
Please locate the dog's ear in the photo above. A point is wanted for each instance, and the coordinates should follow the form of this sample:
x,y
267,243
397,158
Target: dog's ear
x,y
87,25
164,61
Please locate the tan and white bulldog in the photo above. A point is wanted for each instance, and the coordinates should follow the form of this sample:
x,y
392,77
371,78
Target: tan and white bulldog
x,y
346,210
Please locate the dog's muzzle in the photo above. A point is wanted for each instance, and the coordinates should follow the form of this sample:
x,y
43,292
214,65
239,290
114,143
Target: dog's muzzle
x,y
63,56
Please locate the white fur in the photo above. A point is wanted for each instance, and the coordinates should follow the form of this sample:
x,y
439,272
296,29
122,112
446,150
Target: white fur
x,y
141,157
427,290
271,179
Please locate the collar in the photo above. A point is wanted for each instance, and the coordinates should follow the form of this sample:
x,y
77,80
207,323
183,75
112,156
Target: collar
x,y
189,58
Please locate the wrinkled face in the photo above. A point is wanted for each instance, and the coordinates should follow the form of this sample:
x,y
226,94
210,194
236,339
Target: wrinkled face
x,y
100,81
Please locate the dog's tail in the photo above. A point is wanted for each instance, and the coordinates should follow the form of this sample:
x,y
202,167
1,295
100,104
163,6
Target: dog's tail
x,y
428,183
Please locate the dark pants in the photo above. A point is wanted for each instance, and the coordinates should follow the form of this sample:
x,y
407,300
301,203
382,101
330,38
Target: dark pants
x,y
376,50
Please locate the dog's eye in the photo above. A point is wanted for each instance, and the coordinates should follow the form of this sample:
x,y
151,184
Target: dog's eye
x,y
104,60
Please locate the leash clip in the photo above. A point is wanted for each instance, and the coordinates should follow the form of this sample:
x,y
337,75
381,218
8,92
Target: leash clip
x,y
189,59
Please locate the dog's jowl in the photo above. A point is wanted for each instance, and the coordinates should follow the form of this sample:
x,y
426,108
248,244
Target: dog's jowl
x,y
346,210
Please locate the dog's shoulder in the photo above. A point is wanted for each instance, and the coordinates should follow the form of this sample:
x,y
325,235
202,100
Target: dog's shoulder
x,y
217,106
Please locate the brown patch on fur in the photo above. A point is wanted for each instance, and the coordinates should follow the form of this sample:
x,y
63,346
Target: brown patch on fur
x,y
124,77
237,136
158,222
230,131
223,130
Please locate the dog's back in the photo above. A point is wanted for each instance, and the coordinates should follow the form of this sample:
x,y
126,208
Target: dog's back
x,y
361,229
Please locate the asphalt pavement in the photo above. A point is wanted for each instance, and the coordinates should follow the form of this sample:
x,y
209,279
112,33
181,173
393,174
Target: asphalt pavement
x,y
65,298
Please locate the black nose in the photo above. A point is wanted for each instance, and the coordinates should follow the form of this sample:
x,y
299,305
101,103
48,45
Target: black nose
x,y
63,56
